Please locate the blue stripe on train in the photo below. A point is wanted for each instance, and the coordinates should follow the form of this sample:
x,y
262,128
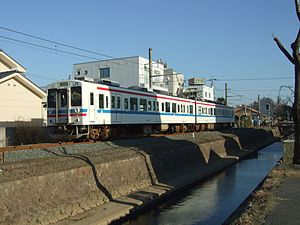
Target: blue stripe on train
x,y
154,113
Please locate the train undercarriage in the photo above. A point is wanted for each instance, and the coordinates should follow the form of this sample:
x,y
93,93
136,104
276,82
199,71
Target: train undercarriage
x,y
104,132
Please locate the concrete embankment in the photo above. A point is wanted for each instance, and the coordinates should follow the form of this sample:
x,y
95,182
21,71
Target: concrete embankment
x,y
99,187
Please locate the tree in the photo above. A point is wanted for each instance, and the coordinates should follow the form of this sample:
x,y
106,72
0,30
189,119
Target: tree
x,y
295,60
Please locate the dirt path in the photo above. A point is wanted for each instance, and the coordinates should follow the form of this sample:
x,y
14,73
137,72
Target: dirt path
x,y
263,201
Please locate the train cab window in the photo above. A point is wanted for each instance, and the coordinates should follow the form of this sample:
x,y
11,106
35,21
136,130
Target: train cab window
x,y
149,107
118,102
51,98
168,107
76,96
126,103
101,101
162,106
173,107
143,105
106,101
91,98
133,104
191,109
113,102
63,98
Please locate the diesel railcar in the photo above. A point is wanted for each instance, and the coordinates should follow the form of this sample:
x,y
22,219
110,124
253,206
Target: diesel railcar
x,y
91,110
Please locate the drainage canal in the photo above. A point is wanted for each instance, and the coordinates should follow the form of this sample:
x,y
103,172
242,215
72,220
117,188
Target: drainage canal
x,y
213,201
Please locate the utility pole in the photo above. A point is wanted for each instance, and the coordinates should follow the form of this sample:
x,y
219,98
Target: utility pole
x,y
150,67
258,100
226,93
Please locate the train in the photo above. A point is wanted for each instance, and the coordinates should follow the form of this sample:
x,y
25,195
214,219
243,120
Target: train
x,y
79,108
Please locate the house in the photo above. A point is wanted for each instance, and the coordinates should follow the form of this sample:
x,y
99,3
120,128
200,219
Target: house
x,y
246,116
20,99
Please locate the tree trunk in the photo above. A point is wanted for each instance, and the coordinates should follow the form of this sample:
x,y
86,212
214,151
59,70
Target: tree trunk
x,y
295,59
296,109
295,46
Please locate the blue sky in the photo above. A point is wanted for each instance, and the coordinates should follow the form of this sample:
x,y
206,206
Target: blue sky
x,y
226,40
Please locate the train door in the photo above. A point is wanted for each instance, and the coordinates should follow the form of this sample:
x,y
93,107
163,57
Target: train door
x,y
58,105
92,107
116,108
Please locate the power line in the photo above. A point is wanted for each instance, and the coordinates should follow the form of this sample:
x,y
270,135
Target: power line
x,y
66,45
255,79
44,47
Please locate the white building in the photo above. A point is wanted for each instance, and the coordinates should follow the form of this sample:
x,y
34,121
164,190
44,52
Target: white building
x,y
132,71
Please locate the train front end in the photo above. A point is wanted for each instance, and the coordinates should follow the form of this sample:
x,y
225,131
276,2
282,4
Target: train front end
x,y
65,111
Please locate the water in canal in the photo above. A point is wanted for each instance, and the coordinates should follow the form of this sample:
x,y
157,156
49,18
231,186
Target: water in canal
x,y
213,201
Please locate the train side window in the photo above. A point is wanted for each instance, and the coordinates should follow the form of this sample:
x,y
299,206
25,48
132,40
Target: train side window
x,y
157,106
133,104
76,96
106,101
178,108
162,106
191,109
199,110
168,107
113,102
101,101
118,102
149,107
126,103
91,98
173,107
154,105
143,104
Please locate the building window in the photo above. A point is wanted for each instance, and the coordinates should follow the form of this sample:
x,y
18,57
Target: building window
x,y
85,72
78,72
104,72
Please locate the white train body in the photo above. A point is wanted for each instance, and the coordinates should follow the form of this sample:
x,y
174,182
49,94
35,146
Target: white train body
x,y
84,106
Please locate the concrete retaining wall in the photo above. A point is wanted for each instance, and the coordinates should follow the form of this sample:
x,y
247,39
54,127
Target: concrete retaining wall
x,y
64,187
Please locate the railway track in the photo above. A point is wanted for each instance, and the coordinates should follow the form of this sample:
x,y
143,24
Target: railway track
x,y
8,149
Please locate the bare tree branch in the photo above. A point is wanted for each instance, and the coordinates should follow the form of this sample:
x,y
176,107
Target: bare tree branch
x,y
297,6
284,51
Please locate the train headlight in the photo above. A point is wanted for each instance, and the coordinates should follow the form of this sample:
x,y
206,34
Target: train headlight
x,y
77,120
